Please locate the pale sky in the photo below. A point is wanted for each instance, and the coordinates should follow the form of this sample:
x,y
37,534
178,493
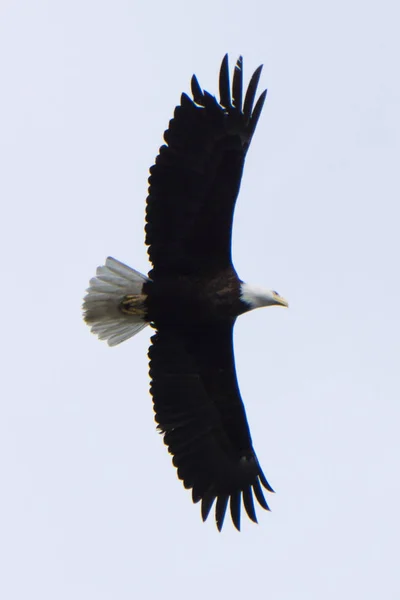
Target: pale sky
x,y
90,504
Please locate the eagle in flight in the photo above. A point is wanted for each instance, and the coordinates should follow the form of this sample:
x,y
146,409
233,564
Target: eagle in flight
x,y
192,296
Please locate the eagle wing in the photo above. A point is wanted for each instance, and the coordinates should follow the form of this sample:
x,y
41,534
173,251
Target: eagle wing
x,y
201,414
195,181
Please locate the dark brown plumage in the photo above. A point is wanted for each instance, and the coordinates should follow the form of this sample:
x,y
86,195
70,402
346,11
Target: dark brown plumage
x,y
193,189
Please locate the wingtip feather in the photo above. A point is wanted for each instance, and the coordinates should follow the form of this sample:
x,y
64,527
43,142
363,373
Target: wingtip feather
x,y
235,505
220,510
251,93
237,85
224,85
197,92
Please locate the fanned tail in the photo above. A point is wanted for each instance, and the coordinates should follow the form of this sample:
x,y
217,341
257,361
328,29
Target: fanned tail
x,y
114,304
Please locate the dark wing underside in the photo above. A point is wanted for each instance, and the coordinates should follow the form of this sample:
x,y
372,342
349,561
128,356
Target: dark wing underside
x,y
199,409
196,178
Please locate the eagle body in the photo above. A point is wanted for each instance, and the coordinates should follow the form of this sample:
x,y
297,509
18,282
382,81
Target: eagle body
x,y
184,301
192,296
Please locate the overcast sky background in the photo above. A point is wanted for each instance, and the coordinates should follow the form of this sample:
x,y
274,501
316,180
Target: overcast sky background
x,y
90,506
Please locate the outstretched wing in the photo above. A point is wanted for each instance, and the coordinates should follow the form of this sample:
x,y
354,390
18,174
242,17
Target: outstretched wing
x,y
200,412
196,178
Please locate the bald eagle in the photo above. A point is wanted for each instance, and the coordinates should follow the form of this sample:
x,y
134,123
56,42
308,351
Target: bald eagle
x,y
193,296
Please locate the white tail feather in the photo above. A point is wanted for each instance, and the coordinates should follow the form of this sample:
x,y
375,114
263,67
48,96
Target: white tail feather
x,y
101,305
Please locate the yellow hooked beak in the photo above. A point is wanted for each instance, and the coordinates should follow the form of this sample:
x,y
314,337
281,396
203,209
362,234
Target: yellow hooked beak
x,y
281,301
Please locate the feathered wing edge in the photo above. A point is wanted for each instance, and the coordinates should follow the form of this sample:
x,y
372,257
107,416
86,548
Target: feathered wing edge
x,y
246,494
235,104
